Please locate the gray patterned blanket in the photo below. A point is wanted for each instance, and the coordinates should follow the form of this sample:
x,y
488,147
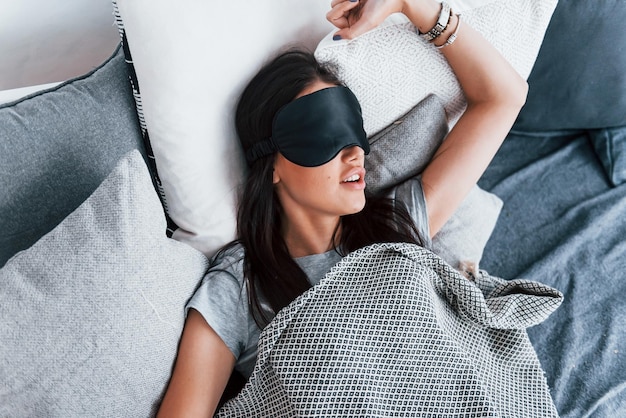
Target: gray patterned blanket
x,y
392,330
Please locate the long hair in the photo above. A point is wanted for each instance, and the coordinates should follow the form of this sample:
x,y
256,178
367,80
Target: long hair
x,y
270,272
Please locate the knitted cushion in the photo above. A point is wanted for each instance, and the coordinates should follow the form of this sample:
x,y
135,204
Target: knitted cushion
x,y
391,68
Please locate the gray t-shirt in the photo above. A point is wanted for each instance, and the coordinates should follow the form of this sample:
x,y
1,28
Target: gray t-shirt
x,y
222,298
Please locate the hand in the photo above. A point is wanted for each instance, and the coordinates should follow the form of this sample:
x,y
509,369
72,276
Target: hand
x,y
355,17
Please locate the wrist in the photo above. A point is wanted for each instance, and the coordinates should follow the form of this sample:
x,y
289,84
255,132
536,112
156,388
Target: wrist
x,y
424,14
449,35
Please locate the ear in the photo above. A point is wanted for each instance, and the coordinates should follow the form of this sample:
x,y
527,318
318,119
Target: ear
x,y
275,176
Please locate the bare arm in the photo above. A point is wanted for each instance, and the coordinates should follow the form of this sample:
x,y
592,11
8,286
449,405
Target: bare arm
x,y
203,366
494,92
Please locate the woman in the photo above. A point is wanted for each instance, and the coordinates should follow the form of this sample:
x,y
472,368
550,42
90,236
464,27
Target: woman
x,y
304,203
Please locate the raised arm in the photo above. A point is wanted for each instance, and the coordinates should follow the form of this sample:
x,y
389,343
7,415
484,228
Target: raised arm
x,y
493,89
203,366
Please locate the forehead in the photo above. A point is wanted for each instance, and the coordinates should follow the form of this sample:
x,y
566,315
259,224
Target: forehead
x,y
315,86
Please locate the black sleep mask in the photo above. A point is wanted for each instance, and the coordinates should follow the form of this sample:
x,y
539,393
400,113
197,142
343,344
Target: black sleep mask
x,y
311,130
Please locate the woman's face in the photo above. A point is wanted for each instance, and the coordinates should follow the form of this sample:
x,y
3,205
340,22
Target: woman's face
x,y
333,189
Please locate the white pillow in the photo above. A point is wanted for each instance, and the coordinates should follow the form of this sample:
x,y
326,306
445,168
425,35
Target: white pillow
x,y
192,59
391,68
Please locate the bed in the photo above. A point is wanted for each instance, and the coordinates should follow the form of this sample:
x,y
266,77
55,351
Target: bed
x,y
95,266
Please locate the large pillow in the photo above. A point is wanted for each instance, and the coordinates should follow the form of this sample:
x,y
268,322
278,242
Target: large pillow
x,y
57,146
579,78
92,312
389,78
192,59
579,81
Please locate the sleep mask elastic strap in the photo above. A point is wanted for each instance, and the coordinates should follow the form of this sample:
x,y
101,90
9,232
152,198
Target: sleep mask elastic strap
x,y
313,129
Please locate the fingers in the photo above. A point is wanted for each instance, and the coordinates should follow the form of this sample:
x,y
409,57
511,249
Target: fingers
x,y
354,30
334,3
355,17
339,15
361,19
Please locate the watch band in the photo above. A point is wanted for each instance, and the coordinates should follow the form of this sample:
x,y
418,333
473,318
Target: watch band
x,y
452,37
442,23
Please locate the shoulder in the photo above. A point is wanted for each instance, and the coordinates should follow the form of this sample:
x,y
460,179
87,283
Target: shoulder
x,y
410,192
222,291
227,263
222,299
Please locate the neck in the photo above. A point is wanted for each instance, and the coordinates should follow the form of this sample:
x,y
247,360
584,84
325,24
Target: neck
x,y
311,237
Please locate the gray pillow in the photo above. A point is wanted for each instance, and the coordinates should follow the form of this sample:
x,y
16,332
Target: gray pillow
x,y
92,313
404,148
57,146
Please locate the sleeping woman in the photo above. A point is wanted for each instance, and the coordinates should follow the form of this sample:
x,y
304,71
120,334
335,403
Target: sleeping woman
x,y
304,205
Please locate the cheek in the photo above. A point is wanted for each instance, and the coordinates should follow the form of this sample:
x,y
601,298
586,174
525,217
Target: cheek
x,y
315,179
314,189
308,184
304,183
319,184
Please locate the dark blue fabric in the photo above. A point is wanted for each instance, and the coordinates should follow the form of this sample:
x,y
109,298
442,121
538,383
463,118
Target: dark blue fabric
x,y
579,78
564,224
610,145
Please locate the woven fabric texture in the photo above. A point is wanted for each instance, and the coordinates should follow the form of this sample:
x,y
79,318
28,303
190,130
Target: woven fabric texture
x,y
57,146
391,68
91,314
392,330
405,147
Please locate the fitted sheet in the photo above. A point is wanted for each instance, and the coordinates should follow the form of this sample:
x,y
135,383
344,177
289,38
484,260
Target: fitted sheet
x,y
563,224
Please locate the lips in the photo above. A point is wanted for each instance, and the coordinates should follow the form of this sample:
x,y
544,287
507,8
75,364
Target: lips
x,y
355,179
352,178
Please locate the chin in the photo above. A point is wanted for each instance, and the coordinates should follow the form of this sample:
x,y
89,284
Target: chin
x,y
357,208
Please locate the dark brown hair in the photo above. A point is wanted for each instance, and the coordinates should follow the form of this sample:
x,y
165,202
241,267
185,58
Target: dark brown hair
x,y
268,268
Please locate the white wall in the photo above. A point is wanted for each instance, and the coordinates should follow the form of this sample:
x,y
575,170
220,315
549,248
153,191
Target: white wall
x,y
45,41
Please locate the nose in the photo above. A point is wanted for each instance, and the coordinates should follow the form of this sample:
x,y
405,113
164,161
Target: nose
x,y
353,153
